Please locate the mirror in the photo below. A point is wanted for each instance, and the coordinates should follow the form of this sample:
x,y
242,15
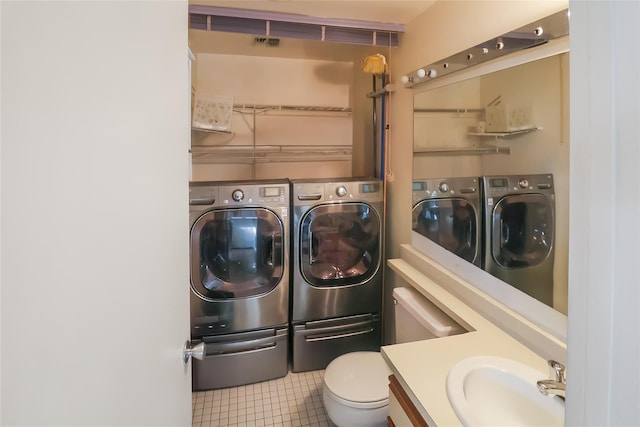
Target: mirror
x,y
491,170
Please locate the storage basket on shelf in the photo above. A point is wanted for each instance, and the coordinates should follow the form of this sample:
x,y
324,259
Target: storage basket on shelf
x,y
213,112
508,118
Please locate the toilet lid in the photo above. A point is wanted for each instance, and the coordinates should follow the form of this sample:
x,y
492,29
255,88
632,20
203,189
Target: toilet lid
x,y
359,377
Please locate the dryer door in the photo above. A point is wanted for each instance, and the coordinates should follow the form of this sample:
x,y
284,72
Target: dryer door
x,y
236,253
340,244
452,223
522,230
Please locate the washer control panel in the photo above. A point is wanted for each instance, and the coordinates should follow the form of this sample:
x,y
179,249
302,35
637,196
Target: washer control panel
x,y
272,195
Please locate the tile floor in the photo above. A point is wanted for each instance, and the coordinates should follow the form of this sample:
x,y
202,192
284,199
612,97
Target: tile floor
x,y
292,401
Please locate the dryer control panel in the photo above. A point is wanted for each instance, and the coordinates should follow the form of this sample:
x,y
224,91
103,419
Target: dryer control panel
x,y
265,195
496,186
273,193
307,193
438,188
347,191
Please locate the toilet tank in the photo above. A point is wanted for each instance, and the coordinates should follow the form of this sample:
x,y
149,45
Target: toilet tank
x,y
417,318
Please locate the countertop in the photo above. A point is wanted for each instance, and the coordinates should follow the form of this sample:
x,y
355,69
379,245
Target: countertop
x,y
422,366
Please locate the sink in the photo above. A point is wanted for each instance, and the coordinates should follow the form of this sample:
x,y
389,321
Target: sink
x,y
494,391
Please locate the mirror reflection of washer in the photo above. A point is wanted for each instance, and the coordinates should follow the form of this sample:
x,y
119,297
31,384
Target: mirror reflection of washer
x,y
448,212
239,268
519,218
336,269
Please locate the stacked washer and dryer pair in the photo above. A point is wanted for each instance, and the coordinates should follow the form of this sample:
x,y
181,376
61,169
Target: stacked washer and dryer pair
x,y
503,224
268,290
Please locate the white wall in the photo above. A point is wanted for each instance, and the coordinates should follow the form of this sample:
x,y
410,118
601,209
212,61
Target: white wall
x,y
604,297
279,81
94,170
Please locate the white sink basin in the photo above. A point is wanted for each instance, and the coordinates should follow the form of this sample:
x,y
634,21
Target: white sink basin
x,y
494,391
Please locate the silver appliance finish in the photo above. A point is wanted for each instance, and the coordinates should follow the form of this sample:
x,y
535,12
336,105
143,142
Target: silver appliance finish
x,y
239,268
448,212
519,220
336,269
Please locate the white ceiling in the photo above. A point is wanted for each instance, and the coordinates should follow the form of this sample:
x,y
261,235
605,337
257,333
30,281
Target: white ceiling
x,y
390,11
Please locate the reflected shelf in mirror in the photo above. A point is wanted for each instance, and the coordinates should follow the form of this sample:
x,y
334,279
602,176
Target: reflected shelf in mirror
x,y
449,110
505,134
464,151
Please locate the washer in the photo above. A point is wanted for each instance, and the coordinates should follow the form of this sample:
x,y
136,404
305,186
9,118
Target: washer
x,y
239,268
519,219
448,212
336,269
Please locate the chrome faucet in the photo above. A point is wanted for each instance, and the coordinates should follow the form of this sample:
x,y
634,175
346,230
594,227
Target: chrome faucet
x,y
554,386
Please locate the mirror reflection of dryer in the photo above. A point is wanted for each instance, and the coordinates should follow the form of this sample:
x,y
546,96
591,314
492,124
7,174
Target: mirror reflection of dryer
x,y
519,221
239,268
336,269
448,212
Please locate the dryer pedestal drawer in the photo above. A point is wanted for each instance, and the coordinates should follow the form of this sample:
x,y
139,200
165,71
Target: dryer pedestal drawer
x,y
317,343
237,359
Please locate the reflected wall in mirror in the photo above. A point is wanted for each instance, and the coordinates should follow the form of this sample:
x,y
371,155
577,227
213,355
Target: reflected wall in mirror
x,y
510,126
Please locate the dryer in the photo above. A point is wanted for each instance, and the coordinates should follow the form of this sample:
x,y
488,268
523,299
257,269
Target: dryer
x,y
337,269
239,269
519,221
448,212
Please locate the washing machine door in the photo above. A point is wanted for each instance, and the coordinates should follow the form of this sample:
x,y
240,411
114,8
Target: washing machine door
x,y
236,253
522,230
340,244
452,223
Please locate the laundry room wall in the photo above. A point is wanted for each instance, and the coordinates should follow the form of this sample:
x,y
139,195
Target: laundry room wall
x,y
272,134
325,135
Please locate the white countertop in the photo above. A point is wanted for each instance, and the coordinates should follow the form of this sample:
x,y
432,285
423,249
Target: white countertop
x,y
422,366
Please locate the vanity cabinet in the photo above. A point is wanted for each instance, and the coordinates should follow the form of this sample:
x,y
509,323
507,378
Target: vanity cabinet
x,y
402,411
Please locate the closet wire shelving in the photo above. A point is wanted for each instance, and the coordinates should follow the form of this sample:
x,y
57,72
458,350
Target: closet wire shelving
x,y
254,153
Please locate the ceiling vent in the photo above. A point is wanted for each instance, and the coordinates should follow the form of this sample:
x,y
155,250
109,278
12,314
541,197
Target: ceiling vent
x,y
272,25
266,41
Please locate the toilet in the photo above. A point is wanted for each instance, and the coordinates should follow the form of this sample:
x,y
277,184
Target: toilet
x,y
356,385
